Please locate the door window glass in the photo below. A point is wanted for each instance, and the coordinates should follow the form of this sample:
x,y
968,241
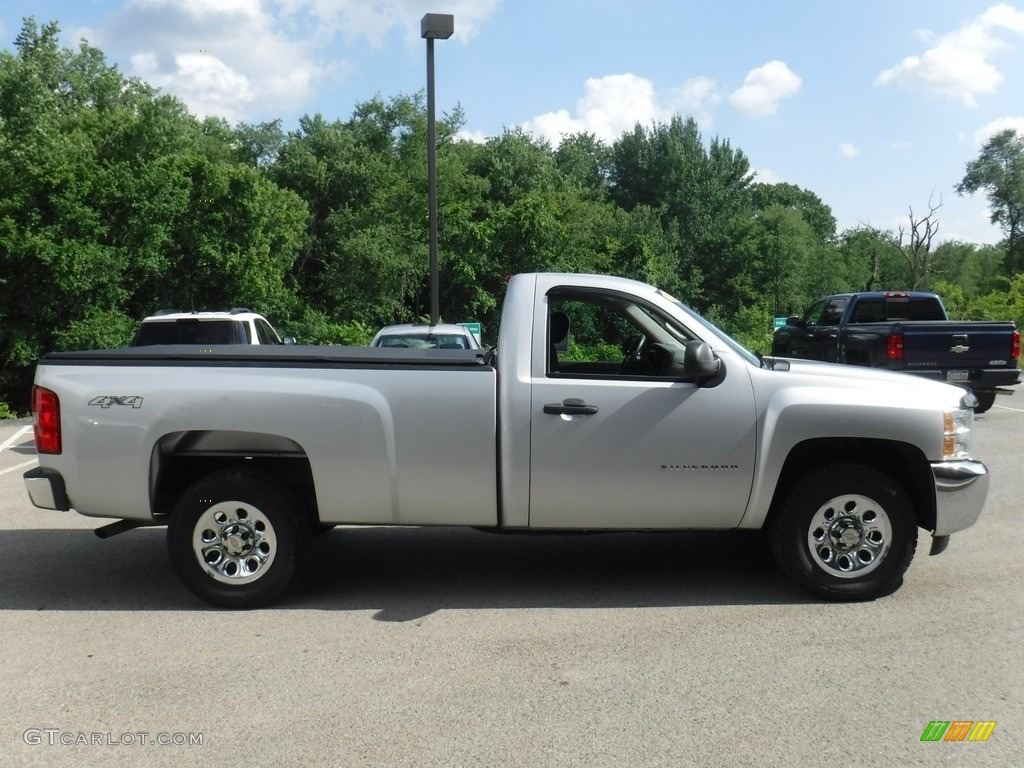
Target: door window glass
x,y
607,334
826,312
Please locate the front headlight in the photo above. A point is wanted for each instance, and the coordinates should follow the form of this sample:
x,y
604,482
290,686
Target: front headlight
x,y
956,433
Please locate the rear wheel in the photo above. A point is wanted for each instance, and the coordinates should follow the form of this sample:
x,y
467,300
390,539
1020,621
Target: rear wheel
x,y
236,540
985,401
845,532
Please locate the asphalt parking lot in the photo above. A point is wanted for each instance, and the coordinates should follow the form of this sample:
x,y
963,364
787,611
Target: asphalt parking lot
x,y
459,648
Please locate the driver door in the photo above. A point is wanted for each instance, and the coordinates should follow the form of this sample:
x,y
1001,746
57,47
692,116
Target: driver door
x,y
820,340
615,445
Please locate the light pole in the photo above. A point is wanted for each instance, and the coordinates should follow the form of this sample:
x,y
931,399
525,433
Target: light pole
x,y
433,26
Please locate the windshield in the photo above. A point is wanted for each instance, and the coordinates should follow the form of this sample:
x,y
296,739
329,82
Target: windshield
x,y
734,345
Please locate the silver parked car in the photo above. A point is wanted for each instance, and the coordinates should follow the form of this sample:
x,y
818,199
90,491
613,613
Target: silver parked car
x,y
411,336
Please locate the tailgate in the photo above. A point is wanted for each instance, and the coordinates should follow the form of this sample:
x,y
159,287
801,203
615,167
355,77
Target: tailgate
x,y
958,345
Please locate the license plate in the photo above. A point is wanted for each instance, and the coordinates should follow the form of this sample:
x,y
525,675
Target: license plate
x,y
958,376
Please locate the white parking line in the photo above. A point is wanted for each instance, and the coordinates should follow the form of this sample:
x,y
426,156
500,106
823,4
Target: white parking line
x,y
16,467
13,439
1008,408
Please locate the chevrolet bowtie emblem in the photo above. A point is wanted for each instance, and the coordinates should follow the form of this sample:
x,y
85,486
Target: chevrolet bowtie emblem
x,y
959,348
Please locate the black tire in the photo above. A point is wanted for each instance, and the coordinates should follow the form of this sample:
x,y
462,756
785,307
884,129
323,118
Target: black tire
x,y
985,400
845,532
236,540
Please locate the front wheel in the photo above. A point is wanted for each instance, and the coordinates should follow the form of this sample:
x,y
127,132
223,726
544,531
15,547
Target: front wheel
x,y
845,532
236,540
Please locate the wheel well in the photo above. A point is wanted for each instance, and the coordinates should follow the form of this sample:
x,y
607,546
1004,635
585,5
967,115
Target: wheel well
x,y
886,456
181,458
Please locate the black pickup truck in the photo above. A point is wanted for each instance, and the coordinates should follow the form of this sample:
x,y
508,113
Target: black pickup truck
x,y
905,331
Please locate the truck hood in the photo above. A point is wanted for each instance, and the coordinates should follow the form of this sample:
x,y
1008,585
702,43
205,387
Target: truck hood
x,y
895,384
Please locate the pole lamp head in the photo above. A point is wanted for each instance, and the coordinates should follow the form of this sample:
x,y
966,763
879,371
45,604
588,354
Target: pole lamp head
x,y
437,26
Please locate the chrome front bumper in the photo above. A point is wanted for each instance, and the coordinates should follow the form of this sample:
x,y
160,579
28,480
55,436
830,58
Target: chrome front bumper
x,y
960,491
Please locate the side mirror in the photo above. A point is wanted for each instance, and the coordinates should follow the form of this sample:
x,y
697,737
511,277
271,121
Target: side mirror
x,y
795,321
699,362
288,340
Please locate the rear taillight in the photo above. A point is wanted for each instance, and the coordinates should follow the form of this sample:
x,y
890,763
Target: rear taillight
x,y
894,347
46,415
1015,346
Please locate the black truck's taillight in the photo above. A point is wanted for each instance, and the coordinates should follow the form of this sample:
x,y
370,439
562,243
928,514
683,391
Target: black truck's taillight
x,y
894,346
1015,346
46,418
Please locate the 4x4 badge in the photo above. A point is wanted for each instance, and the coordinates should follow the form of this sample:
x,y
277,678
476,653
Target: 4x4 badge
x,y
105,401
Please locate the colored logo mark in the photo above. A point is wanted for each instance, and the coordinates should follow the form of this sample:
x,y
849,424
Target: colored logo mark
x,y
958,730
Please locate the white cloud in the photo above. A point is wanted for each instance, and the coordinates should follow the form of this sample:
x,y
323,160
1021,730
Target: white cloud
x,y
226,59
989,130
375,19
763,89
245,59
610,106
477,137
554,126
767,176
201,80
958,65
696,97
846,149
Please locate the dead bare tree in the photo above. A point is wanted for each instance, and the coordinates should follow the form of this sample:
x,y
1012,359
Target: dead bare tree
x,y
874,269
915,244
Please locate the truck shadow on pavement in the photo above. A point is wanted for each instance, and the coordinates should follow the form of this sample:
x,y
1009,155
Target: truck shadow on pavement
x,y
409,573
405,574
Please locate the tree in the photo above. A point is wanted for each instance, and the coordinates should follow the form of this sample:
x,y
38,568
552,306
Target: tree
x,y
258,145
701,193
810,207
974,269
872,260
999,171
364,255
794,247
915,244
785,244
57,255
585,160
114,201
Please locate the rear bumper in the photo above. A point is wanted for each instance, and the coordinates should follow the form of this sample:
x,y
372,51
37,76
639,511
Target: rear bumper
x,y
960,491
977,378
46,489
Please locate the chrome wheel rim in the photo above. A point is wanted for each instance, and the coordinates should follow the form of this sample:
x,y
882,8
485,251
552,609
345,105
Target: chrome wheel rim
x,y
849,536
234,542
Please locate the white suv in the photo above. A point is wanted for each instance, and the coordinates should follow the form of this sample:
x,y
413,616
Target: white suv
x,y
239,326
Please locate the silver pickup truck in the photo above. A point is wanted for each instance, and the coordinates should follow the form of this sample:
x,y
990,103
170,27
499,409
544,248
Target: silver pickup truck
x,y
607,405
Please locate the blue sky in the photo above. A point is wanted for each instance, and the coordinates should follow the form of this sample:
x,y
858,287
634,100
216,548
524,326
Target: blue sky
x,y
875,105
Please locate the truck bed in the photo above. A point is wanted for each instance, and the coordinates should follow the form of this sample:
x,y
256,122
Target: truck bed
x,y
382,448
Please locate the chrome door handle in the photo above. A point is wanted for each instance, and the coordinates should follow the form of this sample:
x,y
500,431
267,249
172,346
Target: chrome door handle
x,y
573,406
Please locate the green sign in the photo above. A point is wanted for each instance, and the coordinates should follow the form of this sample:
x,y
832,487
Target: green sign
x,y
475,328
